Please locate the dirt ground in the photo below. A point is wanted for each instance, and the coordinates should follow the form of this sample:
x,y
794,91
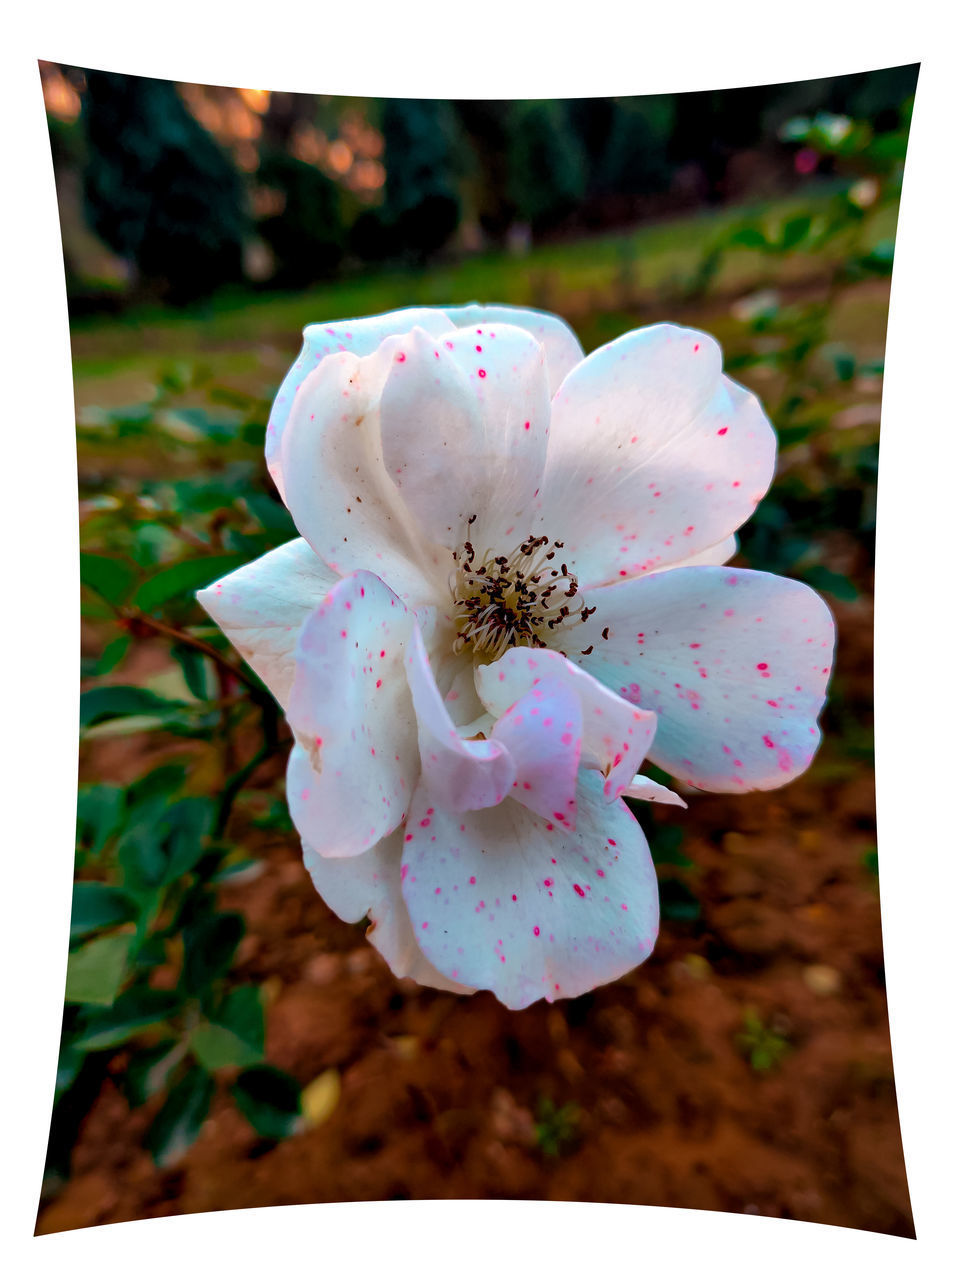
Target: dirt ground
x,y
440,1095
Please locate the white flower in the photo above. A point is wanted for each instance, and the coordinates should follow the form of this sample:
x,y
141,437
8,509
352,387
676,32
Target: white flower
x,y
511,574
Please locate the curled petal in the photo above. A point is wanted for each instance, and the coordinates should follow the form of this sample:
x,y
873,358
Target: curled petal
x,y
504,900
353,771
719,553
560,344
543,731
262,606
459,774
369,885
616,734
642,788
463,422
360,336
734,663
678,455
337,490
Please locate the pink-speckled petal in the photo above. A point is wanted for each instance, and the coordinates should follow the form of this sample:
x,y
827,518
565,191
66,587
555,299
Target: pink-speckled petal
x,y
560,344
463,424
262,606
654,455
337,490
353,770
642,788
542,731
505,900
719,553
369,885
735,664
616,734
458,774
362,337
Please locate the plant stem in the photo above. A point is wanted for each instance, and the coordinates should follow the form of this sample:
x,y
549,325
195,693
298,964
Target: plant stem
x,y
185,638
234,784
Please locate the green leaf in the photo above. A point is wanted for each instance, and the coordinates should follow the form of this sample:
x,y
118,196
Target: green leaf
x,y
219,427
272,515
95,971
844,364
68,1068
152,952
179,1120
149,1070
95,608
749,238
795,231
209,944
240,871
190,822
113,654
97,906
677,902
242,1012
110,578
130,419
666,847
163,781
183,579
197,671
163,842
130,1013
215,1047
269,1099
111,701
100,812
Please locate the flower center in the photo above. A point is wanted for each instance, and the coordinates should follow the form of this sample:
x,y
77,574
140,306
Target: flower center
x,y
502,602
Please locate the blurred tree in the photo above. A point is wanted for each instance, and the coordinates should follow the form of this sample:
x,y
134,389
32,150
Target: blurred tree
x,y
306,235
546,162
486,125
421,200
635,159
712,126
372,238
877,95
158,189
285,112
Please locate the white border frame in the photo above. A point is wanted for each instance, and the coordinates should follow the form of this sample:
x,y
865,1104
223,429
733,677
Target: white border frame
x,y
496,48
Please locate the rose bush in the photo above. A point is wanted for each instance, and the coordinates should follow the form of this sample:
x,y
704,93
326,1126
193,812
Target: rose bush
x,y
511,588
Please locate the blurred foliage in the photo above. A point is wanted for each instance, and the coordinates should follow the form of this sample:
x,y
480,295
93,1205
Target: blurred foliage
x,y
174,494
556,1128
149,991
764,1046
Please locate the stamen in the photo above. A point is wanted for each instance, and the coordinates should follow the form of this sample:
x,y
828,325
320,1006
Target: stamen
x,y
505,601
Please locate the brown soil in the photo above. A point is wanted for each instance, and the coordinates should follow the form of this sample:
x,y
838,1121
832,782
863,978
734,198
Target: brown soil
x,y
440,1094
